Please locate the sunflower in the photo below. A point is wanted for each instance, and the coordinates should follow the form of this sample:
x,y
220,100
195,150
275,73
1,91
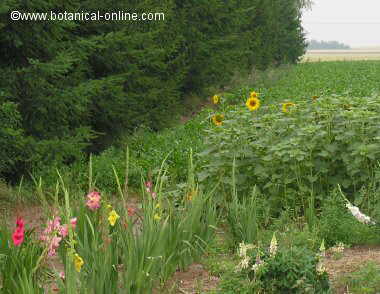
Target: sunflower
x,y
253,103
286,105
218,119
216,99
254,95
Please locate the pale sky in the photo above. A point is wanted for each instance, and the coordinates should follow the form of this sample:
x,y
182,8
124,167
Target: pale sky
x,y
353,22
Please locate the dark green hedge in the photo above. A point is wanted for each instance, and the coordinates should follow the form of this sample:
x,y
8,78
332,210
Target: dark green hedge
x,y
78,86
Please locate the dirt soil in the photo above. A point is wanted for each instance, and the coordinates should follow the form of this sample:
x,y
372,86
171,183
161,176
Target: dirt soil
x,y
352,260
195,280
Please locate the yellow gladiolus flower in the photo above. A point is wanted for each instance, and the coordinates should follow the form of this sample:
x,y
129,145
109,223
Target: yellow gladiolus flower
x,y
112,218
286,106
253,103
218,119
78,262
216,99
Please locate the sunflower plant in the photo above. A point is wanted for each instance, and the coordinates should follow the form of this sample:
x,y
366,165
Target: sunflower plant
x,y
305,151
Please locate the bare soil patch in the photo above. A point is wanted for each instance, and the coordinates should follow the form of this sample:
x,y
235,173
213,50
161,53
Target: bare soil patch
x,y
352,260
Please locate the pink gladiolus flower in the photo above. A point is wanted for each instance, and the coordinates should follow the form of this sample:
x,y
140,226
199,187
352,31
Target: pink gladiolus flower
x,y
20,223
18,236
93,200
64,231
73,222
54,244
53,234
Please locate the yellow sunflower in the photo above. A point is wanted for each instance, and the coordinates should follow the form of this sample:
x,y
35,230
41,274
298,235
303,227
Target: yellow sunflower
x,y
216,99
253,103
254,95
218,119
286,106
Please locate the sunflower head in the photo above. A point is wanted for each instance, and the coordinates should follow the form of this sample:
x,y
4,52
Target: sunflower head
x,y
254,94
286,106
253,103
216,99
218,119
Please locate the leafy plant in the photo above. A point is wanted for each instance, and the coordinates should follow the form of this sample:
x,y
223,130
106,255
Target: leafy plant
x,y
297,155
289,270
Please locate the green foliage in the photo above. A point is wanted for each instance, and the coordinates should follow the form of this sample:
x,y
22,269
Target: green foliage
x,y
336,224
81,86
291,270
364,280
12,137
145,245
305,151
147,150
19,266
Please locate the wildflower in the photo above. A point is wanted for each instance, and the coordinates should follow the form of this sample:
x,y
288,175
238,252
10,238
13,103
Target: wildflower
x,y
259,263
93,200
339,248
18,234
361,217
243,248
78,262
244,263
131,211
254,95
216,99
112,218
154,195
315,98
273,246
218,119
157,217
253,103
285,106
62,275
320,268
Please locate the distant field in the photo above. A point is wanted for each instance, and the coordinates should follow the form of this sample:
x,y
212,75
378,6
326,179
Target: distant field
x,y
336,55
